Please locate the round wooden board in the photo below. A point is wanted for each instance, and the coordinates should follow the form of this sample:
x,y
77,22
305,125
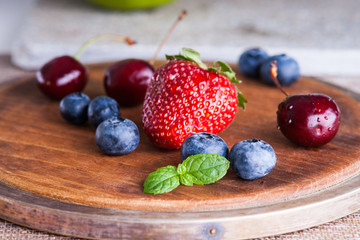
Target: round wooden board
x,y
53,171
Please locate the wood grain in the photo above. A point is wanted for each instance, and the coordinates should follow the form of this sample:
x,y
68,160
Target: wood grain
x,y
43,155
70,219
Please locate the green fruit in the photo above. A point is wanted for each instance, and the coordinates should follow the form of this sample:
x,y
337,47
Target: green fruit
x,y
130,4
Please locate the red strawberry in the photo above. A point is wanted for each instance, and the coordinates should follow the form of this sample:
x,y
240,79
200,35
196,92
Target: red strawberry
x,y
185,97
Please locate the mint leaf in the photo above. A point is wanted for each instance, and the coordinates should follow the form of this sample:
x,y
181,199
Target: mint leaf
x,y
181,169
186,179
164,179
205,168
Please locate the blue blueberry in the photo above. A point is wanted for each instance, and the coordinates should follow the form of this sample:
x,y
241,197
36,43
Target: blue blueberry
x,y
102,108
117,136
203,143
74,107
250,62
251,159
288,70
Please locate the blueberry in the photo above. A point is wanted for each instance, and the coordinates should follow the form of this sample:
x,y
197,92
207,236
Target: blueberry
x,y
251,159
203,143
117,136
250,62
288,70
74,107
102,108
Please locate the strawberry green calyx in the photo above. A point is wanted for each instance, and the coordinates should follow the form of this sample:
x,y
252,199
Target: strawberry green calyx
x,y
226,70
241,99
222,68
189,55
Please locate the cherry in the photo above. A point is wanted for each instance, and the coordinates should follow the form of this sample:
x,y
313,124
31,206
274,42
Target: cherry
x,y
61,76
126,81
309,120
65,74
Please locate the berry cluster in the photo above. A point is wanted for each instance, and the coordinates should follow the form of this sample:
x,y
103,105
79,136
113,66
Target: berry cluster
x,y
126,80
309,120
249,159
114,135
125,83
255,63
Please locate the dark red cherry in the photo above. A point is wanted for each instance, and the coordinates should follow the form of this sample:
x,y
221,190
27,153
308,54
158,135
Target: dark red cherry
x,y
309,120
61,76
126,81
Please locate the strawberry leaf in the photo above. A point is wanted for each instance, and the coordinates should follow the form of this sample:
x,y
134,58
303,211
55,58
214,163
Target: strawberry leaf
x,y
194,56
178,57
241,100
225,70
164,179
240,97
189,55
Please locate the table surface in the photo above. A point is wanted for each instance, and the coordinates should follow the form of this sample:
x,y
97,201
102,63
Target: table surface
x,y
323,36
345,228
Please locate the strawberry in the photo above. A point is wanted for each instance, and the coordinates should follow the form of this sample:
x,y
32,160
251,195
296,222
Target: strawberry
x,y
186,97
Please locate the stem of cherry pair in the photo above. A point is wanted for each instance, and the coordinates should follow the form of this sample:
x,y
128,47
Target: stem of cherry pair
x,y
52,72
95,39
274,73
127,80
164,40
130,41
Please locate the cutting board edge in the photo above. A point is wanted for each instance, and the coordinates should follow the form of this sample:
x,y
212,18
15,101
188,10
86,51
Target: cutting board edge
x,y
77,220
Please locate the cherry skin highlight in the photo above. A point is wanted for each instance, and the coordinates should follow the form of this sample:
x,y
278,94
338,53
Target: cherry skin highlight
x,y
126,81
61,76
309,120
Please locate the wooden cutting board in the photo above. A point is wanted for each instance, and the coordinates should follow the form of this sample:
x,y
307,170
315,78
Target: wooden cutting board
x,y
49,168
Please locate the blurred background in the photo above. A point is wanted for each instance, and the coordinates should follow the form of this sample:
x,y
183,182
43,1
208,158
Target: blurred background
x,y
323,35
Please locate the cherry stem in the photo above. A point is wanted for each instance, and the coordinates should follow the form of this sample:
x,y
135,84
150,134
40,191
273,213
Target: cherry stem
x,y
180,17
127,40
273,74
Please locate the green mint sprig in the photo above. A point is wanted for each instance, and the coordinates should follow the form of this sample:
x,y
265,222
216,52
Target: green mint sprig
x,y
200,169
222,68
